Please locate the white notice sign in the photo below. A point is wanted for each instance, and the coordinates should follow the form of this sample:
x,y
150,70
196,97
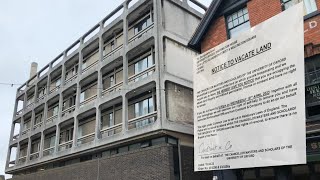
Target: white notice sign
x,y
249,98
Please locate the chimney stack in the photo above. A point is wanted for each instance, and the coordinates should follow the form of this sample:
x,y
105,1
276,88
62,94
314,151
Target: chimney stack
x,y
33,69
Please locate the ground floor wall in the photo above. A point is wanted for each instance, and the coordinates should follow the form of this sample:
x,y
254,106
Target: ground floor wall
x,y
164,162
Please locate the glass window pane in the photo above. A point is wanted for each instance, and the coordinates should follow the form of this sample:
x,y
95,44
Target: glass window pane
x,y
241,20
235,22
137,110
246,17
234,16
230,25
151,109
238,30
145,107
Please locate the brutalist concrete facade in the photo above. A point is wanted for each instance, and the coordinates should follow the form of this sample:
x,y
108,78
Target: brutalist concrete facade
x,y
128,79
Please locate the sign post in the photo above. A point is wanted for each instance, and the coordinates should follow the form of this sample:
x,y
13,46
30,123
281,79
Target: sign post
x,y
249,97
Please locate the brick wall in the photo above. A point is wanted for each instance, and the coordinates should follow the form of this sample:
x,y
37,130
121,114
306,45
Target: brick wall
x,y
260,11
154,163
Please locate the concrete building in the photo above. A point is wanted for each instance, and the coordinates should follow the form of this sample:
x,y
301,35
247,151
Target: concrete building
x,y
116,104
228,18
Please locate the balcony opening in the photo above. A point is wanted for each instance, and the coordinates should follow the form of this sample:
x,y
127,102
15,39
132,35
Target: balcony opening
x,y
43,71
74,47
53,109
142,109
30,98
113,16
132,2
57,60
31,81
23,152
42,90
69,101
13,155
22,88
91,56
141,25
26,127
88,90
66,135
72,67
86,129
35,147
55,81
113,41
112,77
141,66
91,33
16,131
49,142
197,6
20,102
38,121
111,118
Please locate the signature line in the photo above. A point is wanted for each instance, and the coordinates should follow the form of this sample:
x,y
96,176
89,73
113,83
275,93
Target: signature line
x,y
215,153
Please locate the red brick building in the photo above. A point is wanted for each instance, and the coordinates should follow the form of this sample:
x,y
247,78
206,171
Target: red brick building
x,y
228,18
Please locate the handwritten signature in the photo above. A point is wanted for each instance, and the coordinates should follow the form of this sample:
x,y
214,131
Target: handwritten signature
x,y
214,148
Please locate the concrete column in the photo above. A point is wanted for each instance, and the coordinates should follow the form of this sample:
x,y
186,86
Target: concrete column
x,y
25,97
33,119
98,124
80,57
158,55
63,78
124,114
18,153
56,149
12,131
45,114
75,132
48,84
21,126
28,150
99,84
125,45
41,145
8,156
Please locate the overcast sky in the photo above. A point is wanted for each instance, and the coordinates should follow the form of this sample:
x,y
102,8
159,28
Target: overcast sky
x,y
38,30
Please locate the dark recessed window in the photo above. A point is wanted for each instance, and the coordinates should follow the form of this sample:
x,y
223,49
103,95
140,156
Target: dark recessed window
x,y
312,70
309,5
238,22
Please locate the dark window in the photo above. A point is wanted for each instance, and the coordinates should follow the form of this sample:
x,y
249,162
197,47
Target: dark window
x,y
238,22
143,24
312,70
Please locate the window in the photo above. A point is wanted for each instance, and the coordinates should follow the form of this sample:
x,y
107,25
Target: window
x,y
112,45
309,5
312,70
38,119
238,22
143,24
142,65
107,120
143,108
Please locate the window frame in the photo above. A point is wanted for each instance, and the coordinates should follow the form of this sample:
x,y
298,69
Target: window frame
x,y
230,13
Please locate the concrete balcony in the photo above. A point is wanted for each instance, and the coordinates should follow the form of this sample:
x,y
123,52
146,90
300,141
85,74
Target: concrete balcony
x,y
111,89
48,151
111,131
65,145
